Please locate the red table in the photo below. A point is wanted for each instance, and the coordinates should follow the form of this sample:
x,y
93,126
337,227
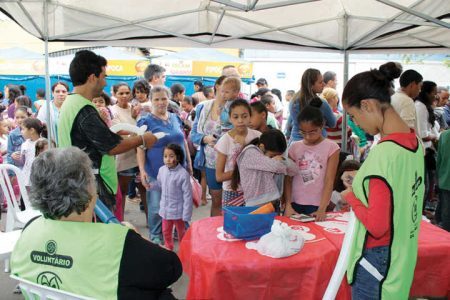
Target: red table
x,y
221,269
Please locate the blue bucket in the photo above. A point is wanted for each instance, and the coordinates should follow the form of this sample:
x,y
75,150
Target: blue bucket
x,y
238,222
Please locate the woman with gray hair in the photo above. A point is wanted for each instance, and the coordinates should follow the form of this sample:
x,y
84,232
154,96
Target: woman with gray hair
x,y
150,160
65,250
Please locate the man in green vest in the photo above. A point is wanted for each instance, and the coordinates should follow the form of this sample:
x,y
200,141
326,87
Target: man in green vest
x,y
64,250
80,124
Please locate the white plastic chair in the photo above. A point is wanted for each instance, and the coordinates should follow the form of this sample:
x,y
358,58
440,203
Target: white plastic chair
x,y
31,290
15,218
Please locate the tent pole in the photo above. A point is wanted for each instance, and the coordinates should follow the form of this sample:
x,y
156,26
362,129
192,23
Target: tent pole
x,y
344,117
47,78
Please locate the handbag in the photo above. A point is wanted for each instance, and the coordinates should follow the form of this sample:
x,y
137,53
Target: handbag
x,y
196,191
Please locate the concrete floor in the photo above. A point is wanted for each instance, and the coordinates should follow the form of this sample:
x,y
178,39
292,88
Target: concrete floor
x,y
132,215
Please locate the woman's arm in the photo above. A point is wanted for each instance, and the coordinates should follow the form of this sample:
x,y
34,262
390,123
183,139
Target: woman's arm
x,y
221,175
140,156
330,175
188,158
197,137
376,216
330,119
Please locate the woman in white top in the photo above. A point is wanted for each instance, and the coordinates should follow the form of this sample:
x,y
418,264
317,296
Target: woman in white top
x,y
427,132
126,163
59,92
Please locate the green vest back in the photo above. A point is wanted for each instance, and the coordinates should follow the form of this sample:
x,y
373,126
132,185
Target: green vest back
x,y
403,172
77,257
69,111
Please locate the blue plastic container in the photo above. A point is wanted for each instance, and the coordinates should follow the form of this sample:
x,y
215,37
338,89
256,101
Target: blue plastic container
x,y
238,222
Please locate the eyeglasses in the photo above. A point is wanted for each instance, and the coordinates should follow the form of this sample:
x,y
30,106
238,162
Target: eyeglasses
x,y
312,132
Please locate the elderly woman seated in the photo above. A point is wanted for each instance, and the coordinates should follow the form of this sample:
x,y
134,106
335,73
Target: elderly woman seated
x,y
65,250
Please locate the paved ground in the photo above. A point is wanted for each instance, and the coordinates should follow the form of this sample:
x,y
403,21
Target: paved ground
x,y
133,215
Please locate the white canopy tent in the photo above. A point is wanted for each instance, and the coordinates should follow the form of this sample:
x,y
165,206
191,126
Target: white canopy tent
x,y
327,25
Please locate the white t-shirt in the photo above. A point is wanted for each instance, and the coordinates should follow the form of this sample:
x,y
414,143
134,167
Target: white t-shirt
x,y
424,128
125,160
404,106
227,145
27,152
4,142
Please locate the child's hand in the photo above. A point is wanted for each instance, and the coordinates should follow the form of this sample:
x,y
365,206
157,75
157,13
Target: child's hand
x,y
209,140
240,139
289,211
320,215
16,155
145,180
278,157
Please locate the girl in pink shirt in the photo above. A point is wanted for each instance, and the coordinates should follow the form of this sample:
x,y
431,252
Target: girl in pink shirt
x,y
309,191
228,148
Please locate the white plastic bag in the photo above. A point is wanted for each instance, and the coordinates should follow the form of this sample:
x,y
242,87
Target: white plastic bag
x,y
281,241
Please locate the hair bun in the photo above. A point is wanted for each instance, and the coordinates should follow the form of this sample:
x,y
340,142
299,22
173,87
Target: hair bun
x,y
391,70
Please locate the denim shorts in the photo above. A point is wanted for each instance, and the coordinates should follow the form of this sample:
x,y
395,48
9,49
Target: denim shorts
x,y
304,209
367,285
129,172
211,179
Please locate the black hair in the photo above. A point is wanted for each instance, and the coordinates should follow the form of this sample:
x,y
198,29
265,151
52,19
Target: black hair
x,y
84,64
373,84
106,97
277,92
141,86
177,88
346,165
240,102
153,70
60,83
267,99
328,75
219,81
23,101
311,114
272,139
23,89
189,100
36,124
260,92
23,109
410,76
199,83
40,145
259,107
13,92
118,85
40,93
178,152
207,90
424,97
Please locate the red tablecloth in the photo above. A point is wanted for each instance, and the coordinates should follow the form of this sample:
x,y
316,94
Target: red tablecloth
x,y
220,269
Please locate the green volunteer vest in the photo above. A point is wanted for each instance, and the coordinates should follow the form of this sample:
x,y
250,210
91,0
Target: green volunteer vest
x,y
77,257
69,111
403,171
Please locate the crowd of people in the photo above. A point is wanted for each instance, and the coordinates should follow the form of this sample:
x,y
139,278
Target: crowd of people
x,y
245,153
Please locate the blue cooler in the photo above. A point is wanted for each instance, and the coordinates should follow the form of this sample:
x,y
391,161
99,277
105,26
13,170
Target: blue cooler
x,y
238,222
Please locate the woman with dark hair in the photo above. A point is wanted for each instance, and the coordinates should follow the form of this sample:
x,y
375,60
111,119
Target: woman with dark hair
x,y
386,194
198,95
311,85
428,132
12,92
206,130
60,91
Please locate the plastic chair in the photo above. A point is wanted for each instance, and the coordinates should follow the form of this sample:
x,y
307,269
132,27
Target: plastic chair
x,y
31,290
15,218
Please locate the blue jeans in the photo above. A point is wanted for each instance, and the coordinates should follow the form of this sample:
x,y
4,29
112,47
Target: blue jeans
x,y
154,219
304,209
365,285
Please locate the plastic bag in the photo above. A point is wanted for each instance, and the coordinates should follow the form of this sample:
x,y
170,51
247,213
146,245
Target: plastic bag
x,y
281,241
196,191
